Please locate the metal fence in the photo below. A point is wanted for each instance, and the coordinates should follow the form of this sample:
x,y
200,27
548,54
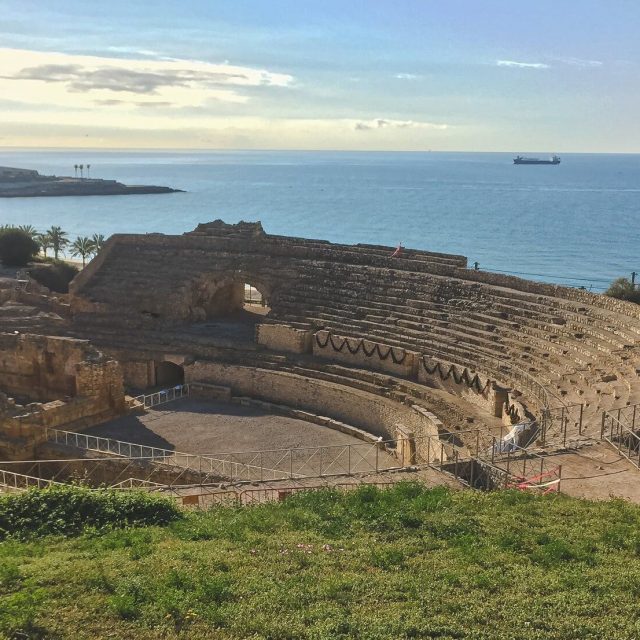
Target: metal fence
x,y
12,481
163,396
209,467
619,429
207,498
447,452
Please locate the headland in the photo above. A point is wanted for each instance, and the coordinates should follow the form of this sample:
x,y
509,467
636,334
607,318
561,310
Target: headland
x,y
26,183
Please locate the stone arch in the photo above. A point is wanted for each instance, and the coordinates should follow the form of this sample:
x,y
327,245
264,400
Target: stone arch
x,y
169,374
214,296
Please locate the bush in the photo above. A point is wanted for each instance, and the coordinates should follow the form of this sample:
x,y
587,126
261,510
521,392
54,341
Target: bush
x,y
17,248
69,510
623,289
54,274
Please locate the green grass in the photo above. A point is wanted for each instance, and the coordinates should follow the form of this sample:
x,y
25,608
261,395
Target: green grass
x,y
407,562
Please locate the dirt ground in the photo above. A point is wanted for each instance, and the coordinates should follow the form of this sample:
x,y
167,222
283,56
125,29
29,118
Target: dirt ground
x,y
194,426
598,472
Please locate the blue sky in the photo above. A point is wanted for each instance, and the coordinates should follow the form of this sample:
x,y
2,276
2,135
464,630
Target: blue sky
x,y
558,75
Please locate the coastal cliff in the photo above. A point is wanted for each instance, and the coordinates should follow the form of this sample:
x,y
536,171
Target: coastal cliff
x,y
26,183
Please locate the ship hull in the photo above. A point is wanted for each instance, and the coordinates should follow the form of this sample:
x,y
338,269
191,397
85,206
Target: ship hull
x,y
516,161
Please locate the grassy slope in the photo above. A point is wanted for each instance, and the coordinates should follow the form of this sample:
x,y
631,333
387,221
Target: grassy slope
x,y
401,563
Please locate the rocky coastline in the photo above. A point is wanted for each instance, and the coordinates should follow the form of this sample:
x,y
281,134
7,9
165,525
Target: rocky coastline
x,y
25,183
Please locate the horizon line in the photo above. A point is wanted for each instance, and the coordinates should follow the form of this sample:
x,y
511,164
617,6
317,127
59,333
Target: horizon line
x,y
11,148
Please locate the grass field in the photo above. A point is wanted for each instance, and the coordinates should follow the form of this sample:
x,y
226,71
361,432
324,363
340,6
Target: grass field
x,y
407,562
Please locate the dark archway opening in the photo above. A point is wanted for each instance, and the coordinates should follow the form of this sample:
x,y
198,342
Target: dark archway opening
x,y
228,300
169,374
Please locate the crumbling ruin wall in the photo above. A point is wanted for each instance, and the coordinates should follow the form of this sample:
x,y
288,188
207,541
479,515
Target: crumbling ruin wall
x,y
57,382
39,368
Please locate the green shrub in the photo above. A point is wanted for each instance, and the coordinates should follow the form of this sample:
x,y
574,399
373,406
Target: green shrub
x,y
623,289
54,274
69,510
17,247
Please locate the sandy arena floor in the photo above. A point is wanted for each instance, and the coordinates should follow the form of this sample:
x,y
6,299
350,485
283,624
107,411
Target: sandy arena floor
x,y
199,427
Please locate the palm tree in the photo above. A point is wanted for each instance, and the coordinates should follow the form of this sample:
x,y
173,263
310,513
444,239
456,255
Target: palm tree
x,y
75,166
81,169
58,239
98,242
88,167
82,246
30,230
44,241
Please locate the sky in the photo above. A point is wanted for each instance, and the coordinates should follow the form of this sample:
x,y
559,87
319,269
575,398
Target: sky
x,y
408,75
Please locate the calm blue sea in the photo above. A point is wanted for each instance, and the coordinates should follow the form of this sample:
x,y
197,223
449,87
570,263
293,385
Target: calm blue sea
x,y
576,223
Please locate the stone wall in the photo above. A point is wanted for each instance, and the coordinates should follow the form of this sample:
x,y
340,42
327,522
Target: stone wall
x,y
366,354
375,414
282,337
40,367
58,382
478,390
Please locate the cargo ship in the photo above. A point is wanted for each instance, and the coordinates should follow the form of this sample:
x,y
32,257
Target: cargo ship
x,y
523,160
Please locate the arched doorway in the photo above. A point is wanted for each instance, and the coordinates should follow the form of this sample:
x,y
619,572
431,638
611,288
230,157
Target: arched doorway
x,y
255,301
234,297
169,374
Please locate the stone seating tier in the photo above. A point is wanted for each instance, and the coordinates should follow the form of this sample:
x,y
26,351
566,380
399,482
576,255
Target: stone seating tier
x,y
422,301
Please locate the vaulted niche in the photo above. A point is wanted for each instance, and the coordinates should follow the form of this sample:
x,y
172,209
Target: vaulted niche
x,y
228,298
169,374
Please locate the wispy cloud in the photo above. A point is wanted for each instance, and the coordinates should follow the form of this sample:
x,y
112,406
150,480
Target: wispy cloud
x,y
406,76
522,65
384,123
68,80
580,62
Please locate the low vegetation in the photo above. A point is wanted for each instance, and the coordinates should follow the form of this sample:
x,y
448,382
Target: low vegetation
x,y
55,239
407,562
54,274
623,289
68,510
17,248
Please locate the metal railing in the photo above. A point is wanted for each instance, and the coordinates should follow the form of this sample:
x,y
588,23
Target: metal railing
x,y
12,481
163,396
208,466
618,429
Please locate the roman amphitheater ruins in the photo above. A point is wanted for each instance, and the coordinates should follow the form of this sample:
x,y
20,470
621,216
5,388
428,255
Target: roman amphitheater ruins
x,y
376,365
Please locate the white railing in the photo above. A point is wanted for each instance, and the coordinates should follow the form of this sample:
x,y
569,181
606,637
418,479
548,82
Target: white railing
x,y
216,466
164,395
12,481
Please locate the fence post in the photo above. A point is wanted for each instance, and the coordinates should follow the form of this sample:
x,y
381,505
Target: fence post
x,y
477,442
580,423
604,417
377,455
290,463
349,460
321,458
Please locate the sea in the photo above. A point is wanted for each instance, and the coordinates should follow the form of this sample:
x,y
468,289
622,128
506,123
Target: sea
x,y
577,223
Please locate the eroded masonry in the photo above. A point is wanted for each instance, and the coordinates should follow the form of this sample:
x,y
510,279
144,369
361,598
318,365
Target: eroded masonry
x,y
491,378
